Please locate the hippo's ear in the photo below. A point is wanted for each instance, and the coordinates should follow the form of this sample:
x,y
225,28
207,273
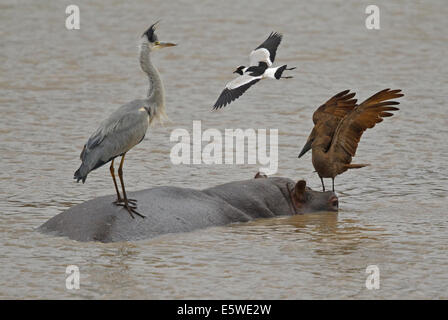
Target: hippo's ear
x,y
260,175
299,190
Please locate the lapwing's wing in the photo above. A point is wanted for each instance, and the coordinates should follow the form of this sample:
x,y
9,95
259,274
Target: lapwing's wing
x,y
266,51
234,89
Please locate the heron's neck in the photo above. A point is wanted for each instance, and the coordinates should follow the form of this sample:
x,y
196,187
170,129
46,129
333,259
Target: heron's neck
x,y
156,95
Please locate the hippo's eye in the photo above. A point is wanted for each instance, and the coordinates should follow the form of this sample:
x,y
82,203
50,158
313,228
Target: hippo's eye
x,y
334,202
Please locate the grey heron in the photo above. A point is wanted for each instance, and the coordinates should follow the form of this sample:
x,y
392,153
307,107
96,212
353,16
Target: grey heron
x,y
260,67
127,126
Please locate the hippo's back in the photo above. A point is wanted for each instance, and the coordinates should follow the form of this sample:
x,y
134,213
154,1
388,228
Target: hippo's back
x,y
167,210
171,209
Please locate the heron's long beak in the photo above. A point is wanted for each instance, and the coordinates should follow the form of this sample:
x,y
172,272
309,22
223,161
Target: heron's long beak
x,y
160,44
306,148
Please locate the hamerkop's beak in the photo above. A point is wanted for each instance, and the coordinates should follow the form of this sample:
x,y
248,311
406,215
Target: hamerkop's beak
x,y
306,147
308,143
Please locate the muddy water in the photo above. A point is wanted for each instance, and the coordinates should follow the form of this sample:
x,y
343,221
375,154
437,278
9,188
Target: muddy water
x,y
57,85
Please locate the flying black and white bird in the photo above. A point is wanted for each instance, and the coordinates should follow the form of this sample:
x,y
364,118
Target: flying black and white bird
x,y
260,60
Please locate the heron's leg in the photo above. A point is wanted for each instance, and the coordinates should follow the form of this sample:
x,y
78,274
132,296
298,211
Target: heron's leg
x,y
112,173
130,209
287,77
333,183
323,186
119,198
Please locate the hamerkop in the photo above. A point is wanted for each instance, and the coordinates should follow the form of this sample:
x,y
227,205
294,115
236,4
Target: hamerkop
x,y
338,127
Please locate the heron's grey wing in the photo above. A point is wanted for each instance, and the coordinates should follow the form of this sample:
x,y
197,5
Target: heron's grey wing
x,y
266,51
94,140
116,135
234,89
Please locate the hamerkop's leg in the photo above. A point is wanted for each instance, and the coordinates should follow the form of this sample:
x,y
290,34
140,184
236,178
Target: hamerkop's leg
x,y
130,209
323,186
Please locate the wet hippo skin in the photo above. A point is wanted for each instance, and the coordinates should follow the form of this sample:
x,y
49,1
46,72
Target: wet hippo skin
x,y
173,209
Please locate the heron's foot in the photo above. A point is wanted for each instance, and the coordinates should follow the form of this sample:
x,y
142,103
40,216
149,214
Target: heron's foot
x,y
131,201
123,204
131,209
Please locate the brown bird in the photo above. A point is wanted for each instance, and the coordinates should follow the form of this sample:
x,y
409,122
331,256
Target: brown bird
x,y
338,127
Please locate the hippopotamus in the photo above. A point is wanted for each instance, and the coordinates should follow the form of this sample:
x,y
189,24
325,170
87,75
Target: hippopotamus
x,y
173,209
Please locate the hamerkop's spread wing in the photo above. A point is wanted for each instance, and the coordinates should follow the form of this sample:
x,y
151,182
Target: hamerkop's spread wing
x,y
327,117
366,115
336,108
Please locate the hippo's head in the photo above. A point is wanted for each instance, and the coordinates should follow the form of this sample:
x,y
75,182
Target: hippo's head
x,y
306,200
